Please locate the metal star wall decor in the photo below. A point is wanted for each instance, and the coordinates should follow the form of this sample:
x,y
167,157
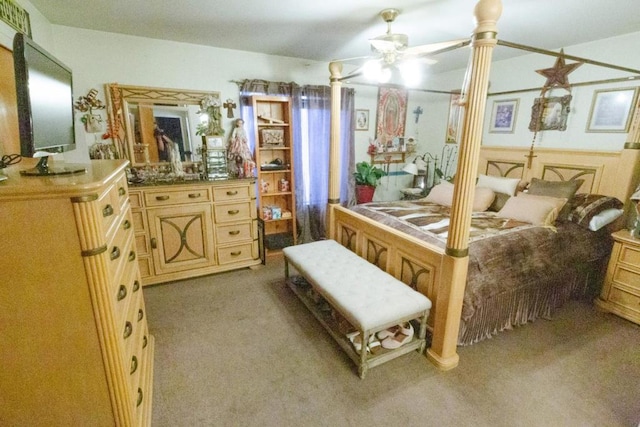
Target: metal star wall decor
x,y
558,74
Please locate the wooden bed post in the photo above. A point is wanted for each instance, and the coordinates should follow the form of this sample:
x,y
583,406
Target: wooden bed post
x,y
455,263
335,68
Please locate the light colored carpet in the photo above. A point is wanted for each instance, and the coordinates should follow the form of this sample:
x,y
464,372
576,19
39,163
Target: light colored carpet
x,y
239,349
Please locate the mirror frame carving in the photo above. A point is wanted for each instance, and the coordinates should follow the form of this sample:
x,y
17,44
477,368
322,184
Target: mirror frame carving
x,y
118,99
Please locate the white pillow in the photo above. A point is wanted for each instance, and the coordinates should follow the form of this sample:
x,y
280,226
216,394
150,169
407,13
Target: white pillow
x,y
499,184
604,218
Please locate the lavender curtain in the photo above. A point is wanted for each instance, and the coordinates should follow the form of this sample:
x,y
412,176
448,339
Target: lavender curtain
x,y
311,106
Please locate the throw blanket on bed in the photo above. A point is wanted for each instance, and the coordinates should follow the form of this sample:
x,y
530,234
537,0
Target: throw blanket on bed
x,y
517,271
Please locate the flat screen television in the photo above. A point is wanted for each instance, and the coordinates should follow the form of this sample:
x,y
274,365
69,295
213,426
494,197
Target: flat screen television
x,y
45,106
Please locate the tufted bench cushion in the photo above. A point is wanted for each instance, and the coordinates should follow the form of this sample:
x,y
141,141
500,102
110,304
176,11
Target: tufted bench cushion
x,y
368,297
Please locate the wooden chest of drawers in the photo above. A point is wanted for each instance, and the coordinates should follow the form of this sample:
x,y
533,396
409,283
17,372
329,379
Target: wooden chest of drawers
x,y
194,229
621,291
75,344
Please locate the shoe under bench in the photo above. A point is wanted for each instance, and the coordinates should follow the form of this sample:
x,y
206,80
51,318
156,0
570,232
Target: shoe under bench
x,y
337,285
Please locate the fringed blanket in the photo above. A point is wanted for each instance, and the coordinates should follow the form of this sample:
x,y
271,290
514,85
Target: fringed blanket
x,y
517,272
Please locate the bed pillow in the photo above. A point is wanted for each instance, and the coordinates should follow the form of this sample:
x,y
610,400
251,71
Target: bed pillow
x,y
442,194
604,218
586,206
560,189
498,202
536,210
499,184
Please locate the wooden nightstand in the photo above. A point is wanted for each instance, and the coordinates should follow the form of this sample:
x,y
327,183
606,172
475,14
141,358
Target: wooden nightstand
x,y
621,291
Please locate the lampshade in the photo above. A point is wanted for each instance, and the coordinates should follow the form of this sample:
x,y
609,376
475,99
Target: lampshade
x,y
411,168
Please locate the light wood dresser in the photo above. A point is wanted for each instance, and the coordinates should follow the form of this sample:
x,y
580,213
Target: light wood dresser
x,y
621,291
74,341
187,230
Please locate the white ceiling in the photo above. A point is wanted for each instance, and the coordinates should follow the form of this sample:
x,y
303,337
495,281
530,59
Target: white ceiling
x,y
334,29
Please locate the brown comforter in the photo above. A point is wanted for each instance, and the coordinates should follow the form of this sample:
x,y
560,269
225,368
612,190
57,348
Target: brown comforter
x,y
517,272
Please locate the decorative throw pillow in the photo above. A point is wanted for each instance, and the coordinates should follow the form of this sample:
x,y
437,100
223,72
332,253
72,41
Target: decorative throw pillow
x,y
499,184
442,194
558,202
529,209
586,206
499,201
560,189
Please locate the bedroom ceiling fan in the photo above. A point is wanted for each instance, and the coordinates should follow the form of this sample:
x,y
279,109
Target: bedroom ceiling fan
x,y
393,51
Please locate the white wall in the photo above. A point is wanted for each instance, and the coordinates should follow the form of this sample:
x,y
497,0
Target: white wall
x,y
99,57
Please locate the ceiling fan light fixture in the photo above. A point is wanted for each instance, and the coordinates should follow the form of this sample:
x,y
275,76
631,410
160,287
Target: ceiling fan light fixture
x,y
410,72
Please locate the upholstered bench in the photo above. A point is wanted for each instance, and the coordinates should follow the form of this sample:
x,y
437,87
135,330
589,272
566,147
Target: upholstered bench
x,y
370,299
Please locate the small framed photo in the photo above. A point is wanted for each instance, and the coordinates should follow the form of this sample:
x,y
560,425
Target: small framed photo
x,y
550,113
503,116
362,119
213,141
611,110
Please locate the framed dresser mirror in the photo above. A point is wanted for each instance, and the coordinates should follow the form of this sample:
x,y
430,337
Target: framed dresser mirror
x,y
144,120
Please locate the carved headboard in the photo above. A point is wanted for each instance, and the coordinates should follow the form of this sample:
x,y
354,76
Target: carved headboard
x,y
612,173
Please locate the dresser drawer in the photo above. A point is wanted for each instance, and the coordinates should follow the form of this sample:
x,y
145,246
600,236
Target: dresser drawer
x,y
631,256
139,223
109,208
145,265
223,194
233,233
232,212
626,299
625,276
236,253
122,190
120,250
123,292
177,197
136,199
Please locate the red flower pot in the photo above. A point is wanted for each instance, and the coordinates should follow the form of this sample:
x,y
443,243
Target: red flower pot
x,y
364,193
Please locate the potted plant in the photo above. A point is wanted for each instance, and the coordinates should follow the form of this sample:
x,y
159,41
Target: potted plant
x,y
367,178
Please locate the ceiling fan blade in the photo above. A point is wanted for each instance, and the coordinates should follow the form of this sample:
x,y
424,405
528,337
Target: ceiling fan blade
x,y
434,48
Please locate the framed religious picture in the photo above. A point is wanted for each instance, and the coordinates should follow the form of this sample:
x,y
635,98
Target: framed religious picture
x,y
391,114
362,119
550,113
455,119
611,110
503,116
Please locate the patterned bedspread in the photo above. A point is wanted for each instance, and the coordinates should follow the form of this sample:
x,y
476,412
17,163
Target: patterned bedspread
x,y
517,269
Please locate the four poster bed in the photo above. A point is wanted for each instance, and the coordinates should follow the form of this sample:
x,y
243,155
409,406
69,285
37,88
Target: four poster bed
x,y
481,282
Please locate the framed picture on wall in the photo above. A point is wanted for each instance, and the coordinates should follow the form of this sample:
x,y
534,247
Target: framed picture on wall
x,y
391,114
550,113
611,110
362,119
214,141
503,116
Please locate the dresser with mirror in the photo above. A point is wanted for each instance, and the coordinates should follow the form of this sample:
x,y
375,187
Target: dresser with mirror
x,y
184,225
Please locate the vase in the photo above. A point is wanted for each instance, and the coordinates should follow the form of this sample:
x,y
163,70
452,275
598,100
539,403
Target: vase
x,y
364,193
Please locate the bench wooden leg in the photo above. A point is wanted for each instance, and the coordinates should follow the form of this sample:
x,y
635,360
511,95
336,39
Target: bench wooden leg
x,y
364,348
423,331
286,268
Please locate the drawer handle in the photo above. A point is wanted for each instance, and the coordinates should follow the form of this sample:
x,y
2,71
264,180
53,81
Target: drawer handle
x,y
145,341
136,286
128,329
132,256
140,315
162,198
233,212
236,253
126,224
107,211
134,365
194,195
115,253
122,191
232,193
154,243
139,402
122,292
234,232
